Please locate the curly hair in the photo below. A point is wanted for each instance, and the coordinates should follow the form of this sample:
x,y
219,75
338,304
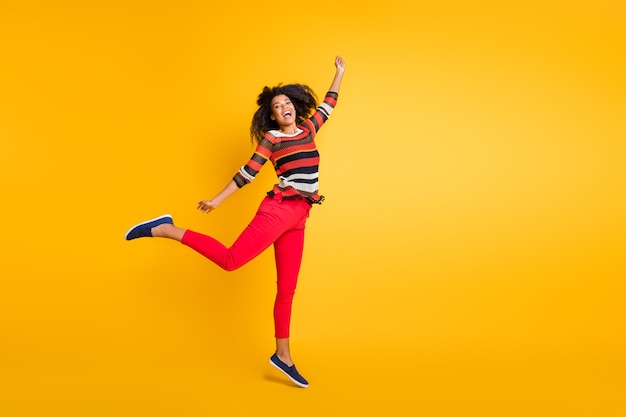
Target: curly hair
x,y
302,97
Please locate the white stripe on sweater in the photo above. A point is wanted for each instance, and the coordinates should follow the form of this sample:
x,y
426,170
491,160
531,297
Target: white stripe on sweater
x,y
307,188
325,108
245,174
300,176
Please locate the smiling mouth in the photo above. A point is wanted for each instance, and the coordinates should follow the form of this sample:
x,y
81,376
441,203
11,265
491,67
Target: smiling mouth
x,y
287,114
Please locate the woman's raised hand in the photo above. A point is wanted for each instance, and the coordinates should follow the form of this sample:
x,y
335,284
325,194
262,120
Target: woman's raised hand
x,y
341,67
340,64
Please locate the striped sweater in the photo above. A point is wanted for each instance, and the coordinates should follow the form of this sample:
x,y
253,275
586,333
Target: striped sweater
x,y
295,157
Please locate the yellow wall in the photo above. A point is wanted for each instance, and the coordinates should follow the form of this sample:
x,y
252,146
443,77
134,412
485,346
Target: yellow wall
x,y
468,261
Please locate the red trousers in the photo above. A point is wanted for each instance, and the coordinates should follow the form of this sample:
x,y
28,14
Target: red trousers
x,y
276,222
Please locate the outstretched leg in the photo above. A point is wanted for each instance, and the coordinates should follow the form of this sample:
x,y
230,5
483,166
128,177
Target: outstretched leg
x,y
271,220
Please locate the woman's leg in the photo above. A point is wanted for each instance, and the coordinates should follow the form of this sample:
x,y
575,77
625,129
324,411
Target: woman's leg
x,y
273,218
288,250
257,237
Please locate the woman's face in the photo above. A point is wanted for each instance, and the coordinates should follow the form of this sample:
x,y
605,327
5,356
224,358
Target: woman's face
x,y
283,111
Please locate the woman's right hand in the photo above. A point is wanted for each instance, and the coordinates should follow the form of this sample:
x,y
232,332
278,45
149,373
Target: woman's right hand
x,y
207,206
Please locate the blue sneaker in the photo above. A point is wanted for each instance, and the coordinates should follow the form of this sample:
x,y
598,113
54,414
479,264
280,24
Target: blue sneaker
x,y
290,371
144,229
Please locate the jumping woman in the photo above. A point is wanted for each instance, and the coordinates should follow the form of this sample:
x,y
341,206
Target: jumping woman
x,y
284,128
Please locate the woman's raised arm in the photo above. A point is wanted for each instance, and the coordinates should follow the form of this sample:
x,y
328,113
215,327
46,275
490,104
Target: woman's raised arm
x,y
340,64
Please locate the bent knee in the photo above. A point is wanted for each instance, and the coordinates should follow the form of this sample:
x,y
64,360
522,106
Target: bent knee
x,y
230,267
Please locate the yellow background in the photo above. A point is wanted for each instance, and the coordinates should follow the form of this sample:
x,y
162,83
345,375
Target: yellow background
x,y
469,259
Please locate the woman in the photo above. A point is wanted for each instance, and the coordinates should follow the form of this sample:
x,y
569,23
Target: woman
x,y
284,127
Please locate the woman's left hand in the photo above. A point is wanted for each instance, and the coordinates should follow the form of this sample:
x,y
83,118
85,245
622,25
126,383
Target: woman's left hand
x,y
340,64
